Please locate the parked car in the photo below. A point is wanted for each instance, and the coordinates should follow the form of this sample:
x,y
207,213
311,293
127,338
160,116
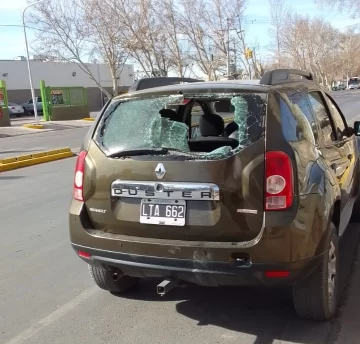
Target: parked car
x,y
16,110
29,106
261,201
339,87
353,86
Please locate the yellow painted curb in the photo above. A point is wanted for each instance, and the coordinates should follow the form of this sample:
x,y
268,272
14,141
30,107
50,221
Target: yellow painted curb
x,y
33,126
89,119
8,164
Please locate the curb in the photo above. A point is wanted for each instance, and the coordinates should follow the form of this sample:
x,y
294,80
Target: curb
x,y
8,164
33,126
91,119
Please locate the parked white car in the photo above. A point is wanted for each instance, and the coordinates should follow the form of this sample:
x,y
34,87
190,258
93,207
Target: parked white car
x,y
353,86
15,109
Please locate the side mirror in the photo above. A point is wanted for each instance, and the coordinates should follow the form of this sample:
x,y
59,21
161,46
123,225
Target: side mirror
x,y
351,131
357,128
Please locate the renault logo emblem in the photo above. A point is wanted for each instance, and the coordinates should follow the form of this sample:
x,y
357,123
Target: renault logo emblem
x,y
160,171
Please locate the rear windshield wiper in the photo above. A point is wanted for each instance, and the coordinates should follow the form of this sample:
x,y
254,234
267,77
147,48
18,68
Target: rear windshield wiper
x,y
141,151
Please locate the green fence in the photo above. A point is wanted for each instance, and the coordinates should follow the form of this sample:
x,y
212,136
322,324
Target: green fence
x,y
64,103
4,110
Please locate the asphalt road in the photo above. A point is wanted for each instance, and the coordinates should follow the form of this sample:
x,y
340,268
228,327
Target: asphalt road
x,y
349,102
47,296
32,143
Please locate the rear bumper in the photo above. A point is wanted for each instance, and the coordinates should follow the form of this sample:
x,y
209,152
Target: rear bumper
x,y
202,271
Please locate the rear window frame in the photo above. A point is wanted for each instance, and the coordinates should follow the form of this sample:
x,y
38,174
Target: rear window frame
x,y
194,95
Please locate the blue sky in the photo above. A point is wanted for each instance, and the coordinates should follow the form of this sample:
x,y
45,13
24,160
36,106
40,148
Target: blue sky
x,y
257,23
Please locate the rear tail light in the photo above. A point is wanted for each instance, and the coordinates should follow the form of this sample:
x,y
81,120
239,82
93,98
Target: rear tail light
x,y
79,177
83,254
277,274
13,108
279,181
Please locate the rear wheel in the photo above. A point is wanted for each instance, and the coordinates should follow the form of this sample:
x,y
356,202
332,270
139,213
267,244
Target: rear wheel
x,y
115,282
316,297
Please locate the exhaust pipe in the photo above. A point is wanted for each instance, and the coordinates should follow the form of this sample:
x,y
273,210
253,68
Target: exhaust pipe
x,y
165,286
115,276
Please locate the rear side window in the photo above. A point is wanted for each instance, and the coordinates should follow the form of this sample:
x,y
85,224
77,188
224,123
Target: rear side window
x,y
339,123
318,104
290,128
296,118
304,114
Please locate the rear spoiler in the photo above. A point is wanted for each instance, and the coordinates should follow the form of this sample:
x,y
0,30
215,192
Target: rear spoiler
x,y
143,84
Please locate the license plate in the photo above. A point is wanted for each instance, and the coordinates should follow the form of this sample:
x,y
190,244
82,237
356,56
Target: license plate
x,y
163,212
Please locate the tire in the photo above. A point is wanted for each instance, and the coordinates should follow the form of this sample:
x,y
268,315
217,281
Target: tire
x,y
104,280
315,298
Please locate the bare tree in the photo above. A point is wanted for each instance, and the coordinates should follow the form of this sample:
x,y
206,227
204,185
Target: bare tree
x,y
278,13
145,35
67,32
349,6
102,26
177,44
315,45
206,24
241,46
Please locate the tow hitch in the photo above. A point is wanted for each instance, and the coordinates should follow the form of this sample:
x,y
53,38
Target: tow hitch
x,y
166,285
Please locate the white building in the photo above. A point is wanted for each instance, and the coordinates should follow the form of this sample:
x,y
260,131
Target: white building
x,y
59,74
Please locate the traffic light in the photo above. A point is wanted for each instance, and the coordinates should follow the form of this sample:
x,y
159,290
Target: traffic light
x,y
248,53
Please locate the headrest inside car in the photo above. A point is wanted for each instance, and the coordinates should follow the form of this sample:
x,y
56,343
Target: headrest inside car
x,y
170,114
211,125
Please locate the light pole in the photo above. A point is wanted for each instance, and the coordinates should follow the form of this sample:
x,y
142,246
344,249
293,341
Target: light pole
x,y
228,48
99,80
28,62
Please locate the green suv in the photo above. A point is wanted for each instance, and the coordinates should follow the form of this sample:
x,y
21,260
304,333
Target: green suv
x,y
219,184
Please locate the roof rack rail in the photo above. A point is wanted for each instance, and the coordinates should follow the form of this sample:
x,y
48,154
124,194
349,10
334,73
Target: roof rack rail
x,y
276,76
159,81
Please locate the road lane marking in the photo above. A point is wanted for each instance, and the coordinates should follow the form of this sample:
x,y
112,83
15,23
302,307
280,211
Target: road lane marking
x,y
24,336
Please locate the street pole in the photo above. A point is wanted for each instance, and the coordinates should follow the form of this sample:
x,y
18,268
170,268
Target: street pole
x,y
101,92
235,62
228,48
99,80
28,62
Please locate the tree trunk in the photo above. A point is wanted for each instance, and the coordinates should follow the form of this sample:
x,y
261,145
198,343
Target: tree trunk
x,y
114,80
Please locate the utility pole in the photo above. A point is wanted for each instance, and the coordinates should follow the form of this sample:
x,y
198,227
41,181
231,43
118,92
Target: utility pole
x,y
235,62
228,48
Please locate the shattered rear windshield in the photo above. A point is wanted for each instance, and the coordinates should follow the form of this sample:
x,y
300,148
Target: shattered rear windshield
x,y
200,126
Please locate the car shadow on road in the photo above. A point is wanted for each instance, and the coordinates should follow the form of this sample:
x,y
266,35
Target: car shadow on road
x,y
11,177
266,314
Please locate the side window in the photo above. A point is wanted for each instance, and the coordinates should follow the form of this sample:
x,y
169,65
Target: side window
x,y
39,99
304,115
318,104
290,128
30,101
340,126
196,113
